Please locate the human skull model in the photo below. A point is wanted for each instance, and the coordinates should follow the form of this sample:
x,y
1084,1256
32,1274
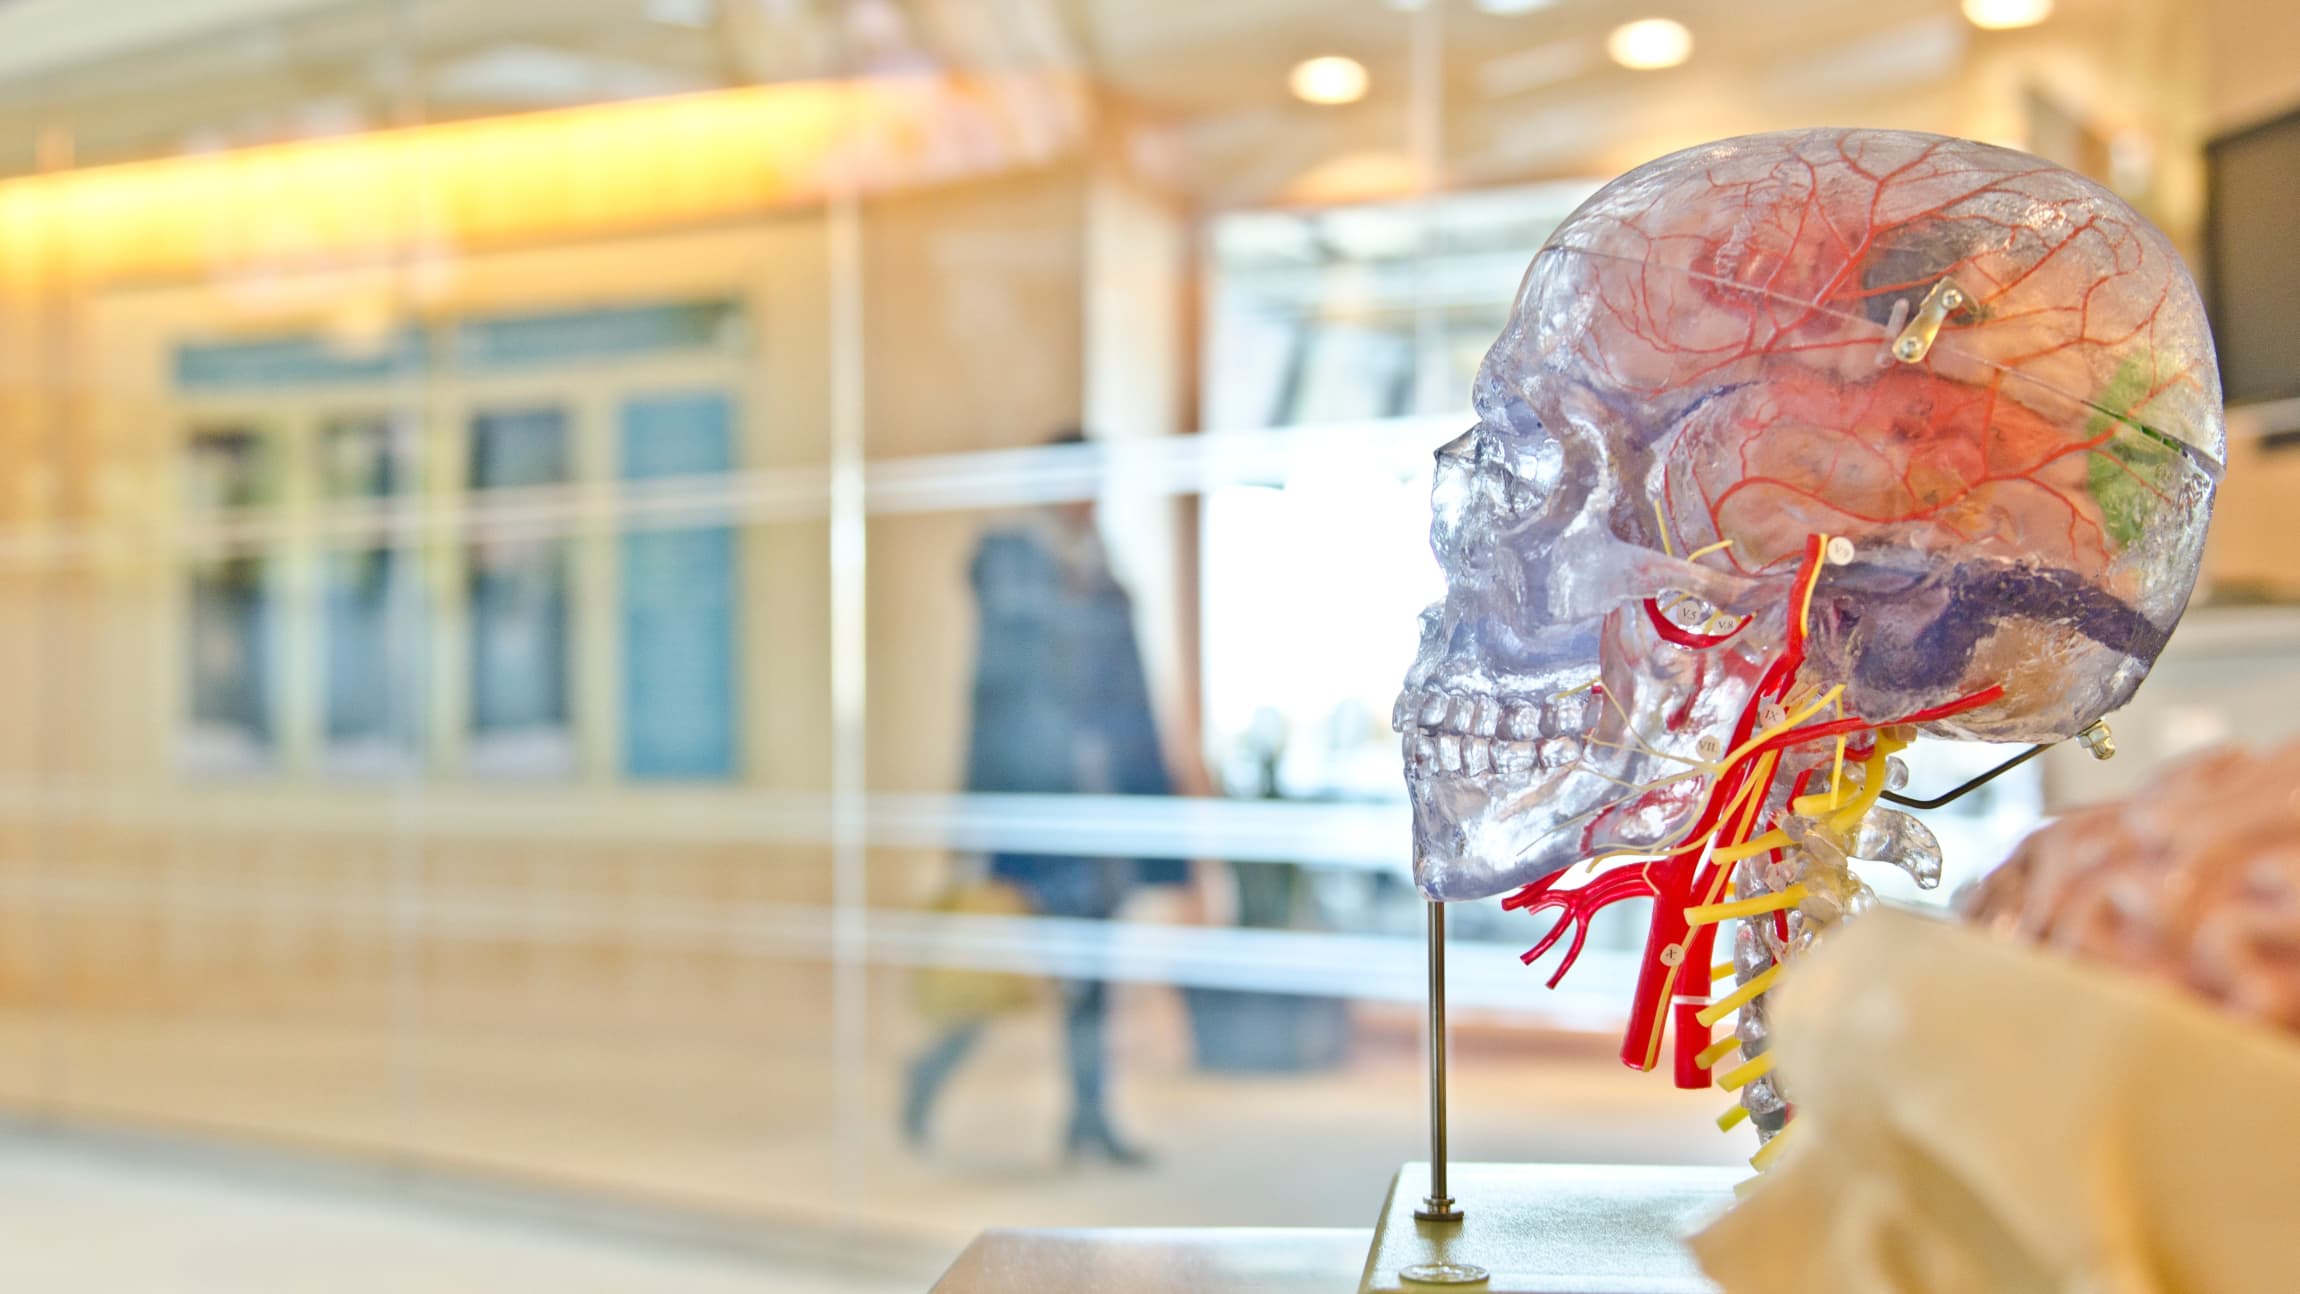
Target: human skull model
x,y
1795,446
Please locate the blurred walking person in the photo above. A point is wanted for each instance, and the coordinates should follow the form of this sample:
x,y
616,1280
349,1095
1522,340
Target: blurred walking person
x,y
1060,706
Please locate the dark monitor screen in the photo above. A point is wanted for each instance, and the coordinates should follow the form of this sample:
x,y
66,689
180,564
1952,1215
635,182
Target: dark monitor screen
x,y
2252,258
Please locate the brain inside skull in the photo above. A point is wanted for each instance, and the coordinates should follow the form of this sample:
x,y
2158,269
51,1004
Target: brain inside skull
x,y
1794,446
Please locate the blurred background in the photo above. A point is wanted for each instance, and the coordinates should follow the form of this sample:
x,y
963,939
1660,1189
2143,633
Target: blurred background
x,y
542,582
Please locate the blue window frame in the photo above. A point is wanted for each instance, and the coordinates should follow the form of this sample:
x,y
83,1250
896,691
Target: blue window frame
x,y
679,593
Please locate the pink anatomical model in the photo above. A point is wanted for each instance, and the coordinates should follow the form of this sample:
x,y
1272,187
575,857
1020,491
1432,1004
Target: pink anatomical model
x,y
2195,884
1795,446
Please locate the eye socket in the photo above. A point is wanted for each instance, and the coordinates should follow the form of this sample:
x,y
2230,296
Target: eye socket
x,y
1540,464
1493,470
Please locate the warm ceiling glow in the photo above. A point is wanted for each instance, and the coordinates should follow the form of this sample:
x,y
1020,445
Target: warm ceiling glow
x,y
1370,176
587,172
1651,43
1331,79
2004,15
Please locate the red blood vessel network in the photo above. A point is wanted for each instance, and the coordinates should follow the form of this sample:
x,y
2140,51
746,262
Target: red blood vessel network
x,y
1795,447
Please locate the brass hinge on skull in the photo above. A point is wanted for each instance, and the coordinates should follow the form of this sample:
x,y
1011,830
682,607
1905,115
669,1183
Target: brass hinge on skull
x,y
1916,340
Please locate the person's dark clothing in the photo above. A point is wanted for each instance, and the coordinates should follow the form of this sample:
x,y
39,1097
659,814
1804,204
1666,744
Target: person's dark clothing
x,y
1060,707
1084,1016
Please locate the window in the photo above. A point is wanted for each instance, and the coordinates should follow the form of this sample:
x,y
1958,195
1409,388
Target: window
x,y
1375,316
563,624
678,599
1376,311
231,619
517,605
371,610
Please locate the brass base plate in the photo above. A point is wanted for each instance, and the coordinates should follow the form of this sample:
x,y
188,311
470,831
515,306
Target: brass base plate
x,y
1551,1228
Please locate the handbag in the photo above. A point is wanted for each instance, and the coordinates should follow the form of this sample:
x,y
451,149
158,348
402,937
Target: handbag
x,y
959,994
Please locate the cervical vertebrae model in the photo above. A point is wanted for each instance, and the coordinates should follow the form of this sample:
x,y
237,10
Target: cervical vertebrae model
x,y
1795,446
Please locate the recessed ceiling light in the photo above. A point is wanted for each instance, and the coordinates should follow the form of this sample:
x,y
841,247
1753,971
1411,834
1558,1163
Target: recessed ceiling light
x,y
1328,79
1650,43
1513,6
2004,15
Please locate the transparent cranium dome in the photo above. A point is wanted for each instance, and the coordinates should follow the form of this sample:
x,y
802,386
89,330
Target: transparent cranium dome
x,y
1984,374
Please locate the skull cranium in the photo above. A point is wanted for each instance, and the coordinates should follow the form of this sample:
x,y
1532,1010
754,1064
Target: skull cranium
x,y
1932,424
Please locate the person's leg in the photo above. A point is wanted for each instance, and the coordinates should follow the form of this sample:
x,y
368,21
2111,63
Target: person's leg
x,y
928,1074
1085,1023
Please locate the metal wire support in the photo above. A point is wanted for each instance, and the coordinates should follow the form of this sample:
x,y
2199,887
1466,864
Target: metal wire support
x,y
2096,739
1437,1206
1971,786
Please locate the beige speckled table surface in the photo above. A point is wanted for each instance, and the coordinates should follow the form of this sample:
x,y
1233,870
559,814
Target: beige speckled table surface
x,y
1155,1260
1538,1228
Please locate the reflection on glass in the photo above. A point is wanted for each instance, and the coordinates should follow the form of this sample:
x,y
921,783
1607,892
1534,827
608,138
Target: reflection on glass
x,y
230,614
1343,314
372,634
1295,588
615,254
678,595
521,721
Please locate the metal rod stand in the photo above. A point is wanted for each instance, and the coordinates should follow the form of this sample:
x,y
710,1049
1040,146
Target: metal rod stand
x,y
1437,1206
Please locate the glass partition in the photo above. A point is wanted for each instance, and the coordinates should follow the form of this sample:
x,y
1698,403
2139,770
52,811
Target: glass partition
x,y
794,610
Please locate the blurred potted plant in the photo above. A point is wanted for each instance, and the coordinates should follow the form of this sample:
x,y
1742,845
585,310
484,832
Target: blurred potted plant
x,y
1257,1031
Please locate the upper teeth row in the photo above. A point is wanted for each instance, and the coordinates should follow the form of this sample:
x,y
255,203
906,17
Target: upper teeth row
x,y
1453,753
1486,716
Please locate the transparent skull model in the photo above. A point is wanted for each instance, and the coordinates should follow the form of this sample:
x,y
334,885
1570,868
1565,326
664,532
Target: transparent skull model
x,y
1795,446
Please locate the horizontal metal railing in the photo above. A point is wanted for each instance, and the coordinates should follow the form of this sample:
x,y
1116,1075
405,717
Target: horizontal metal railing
x,y
1482,975
986,479
1371,836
